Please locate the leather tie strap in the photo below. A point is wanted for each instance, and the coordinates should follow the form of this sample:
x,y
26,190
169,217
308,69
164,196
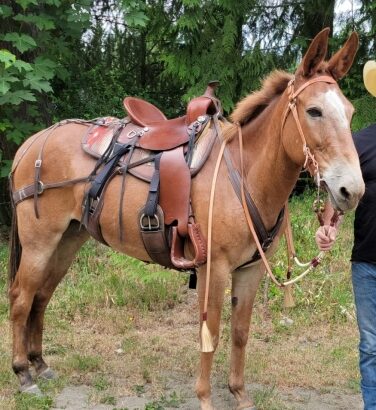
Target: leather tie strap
x,y
210,228
248,216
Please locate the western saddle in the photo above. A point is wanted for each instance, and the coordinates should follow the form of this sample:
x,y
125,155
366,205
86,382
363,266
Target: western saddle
x,y
131,145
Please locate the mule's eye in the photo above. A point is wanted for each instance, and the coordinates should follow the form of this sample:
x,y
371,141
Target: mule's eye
x,y
314,112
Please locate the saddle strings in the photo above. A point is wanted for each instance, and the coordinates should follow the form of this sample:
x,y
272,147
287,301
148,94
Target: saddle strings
x,y
206,339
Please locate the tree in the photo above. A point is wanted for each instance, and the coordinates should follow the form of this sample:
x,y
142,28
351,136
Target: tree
x,y
28,64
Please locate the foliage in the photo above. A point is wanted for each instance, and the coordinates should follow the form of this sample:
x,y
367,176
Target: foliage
x,y
365,112
28,63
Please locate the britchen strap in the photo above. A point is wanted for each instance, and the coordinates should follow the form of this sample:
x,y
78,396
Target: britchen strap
x,y
29,190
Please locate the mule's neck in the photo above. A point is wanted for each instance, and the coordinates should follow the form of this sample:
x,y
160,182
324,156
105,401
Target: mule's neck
x,y
270,173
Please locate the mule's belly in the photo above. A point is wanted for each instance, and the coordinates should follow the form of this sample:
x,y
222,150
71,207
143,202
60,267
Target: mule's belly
x,y
135,196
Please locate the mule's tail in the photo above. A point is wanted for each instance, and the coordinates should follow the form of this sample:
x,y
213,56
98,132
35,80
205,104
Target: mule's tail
x,y
15,248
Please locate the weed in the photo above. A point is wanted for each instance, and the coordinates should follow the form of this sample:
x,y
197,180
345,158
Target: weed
x,y
101,383
139,389
173,401
30,402
129,344
267,399
108,400
85,363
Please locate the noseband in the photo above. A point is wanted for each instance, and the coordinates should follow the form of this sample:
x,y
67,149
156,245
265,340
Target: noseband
x,y
310,162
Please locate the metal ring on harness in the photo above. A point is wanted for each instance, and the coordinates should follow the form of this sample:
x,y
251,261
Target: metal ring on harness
x,y
40,188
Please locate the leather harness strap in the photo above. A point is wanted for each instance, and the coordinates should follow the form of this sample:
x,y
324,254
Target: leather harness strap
x,y
29,190
310,161
266,237
248,216
210,226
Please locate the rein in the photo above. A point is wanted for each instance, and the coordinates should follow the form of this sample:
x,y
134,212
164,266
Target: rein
x,y
311,165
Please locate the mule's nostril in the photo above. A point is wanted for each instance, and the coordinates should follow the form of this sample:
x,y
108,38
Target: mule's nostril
x,y
345,193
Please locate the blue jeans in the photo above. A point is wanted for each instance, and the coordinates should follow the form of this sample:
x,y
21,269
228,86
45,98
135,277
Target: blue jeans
x,y
364,284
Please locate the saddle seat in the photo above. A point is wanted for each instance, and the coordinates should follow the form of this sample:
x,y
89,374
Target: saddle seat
x,y
164,135
161,134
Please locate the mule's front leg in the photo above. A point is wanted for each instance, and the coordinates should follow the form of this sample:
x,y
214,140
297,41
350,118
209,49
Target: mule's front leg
x,y
244,287
216,295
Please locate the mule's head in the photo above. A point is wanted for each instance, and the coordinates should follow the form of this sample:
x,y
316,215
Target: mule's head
x,y
325,116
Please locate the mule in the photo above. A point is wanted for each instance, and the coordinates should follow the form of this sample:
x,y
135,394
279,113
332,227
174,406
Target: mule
x,y
43,248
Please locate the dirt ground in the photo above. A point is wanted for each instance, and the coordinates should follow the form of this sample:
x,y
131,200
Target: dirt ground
x,y
77,397
178,385
151,364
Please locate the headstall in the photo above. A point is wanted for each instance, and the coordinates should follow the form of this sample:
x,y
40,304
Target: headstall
x,y
311,165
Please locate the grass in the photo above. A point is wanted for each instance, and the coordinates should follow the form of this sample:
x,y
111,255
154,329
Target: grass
x,y
125,328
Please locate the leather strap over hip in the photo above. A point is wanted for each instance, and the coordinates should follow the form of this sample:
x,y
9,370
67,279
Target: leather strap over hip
x,y
29,190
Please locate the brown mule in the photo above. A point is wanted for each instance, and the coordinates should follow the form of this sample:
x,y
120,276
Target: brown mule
x,y
44,248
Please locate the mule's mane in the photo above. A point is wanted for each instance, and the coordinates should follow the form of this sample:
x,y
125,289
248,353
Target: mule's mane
x,y
252,105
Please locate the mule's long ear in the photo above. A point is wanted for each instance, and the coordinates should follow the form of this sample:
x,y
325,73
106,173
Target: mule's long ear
x,y
342,60
315,54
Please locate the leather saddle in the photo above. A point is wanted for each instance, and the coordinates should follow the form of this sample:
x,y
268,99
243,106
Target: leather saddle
x,y
160,151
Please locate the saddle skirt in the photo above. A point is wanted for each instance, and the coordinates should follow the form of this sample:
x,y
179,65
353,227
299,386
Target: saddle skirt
x,y
100,135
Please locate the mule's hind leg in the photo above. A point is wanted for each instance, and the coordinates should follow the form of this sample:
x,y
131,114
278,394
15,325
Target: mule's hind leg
x,y
57,267
28,280
39,239
244,287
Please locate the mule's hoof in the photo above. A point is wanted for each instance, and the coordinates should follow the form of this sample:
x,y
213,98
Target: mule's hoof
x,y
47,374
31,389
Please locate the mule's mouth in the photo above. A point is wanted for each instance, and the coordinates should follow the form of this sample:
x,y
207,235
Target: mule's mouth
x,y
340,204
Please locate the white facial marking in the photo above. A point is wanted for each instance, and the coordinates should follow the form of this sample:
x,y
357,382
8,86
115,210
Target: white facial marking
x,y
334,107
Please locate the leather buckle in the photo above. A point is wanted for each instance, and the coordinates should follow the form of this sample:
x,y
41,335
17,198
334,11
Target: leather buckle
x,y
151,224
135,133
267,243
38,163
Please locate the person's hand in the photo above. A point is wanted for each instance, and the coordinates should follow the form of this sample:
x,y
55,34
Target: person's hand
x,y
325,237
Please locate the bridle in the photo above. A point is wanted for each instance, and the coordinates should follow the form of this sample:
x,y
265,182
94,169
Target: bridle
x,y
310,163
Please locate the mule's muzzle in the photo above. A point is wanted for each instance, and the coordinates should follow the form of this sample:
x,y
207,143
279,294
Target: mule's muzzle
x,y
344,198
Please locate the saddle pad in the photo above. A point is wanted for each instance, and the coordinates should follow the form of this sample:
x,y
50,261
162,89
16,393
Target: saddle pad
x,y
98,137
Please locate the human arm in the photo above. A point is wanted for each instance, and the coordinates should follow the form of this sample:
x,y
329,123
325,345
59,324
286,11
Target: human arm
x,y
326,234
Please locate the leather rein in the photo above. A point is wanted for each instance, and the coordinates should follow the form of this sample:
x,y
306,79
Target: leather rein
x,y
310,164
252,216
